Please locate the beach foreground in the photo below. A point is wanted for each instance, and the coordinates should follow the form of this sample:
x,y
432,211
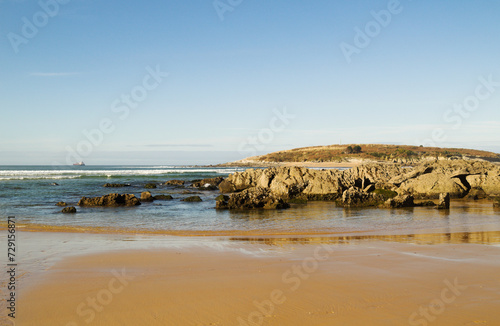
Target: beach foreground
x,y
365,283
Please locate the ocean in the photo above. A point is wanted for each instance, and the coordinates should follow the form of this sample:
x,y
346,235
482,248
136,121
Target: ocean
x,y
31,192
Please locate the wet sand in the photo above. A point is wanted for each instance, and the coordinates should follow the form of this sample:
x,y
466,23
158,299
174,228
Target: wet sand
x,y
368,282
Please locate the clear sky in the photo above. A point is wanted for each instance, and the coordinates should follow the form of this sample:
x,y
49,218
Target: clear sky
x,y
173,82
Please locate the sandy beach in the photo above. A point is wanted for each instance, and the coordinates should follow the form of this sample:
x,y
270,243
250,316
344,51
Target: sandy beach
x,y
268,282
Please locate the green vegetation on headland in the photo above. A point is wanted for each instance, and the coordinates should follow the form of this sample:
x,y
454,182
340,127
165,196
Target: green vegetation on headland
x,y
367,152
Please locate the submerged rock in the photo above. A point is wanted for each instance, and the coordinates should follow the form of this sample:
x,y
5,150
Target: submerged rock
x,y
111,200
115,185
163,197
150,186
61,203
192,199
175,183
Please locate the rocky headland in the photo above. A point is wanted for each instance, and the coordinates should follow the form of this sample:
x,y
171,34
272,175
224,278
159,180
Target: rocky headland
x,y
373,184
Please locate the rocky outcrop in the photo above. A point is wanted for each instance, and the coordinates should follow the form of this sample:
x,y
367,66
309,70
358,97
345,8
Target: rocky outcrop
x,y
111,200
363,183
62,204
175,183
150,186
489,182
69,210
252,198
146,196
208,184
456,177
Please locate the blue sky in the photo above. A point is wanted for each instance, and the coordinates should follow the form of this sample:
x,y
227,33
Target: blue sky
x,y
222,81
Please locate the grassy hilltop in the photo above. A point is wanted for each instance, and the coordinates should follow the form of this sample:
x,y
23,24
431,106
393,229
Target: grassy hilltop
x,y
369,152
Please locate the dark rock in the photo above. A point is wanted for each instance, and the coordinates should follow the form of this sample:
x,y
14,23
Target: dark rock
x,y
221,202
62,204
253,198
163,197
222,197
54,184
116,185
208,184
189,192
400,202
146,196
444,201
111,200
150,186
192,199
175,183
69,210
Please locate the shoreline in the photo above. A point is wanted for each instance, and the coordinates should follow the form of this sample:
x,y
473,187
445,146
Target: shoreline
x,y
367,282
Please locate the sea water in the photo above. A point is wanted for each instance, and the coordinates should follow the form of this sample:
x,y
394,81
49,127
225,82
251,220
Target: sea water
x,y
31,192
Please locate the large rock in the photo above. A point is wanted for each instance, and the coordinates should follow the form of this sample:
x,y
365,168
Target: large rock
x,y
208,184
455,177
489,183
111,200
432,184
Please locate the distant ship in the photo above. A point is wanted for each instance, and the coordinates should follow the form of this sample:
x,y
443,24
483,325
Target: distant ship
x,y
79,164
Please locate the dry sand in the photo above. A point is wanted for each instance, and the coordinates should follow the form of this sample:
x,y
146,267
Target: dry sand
x,y
367,283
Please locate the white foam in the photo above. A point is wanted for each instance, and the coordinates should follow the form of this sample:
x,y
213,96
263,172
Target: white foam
x,y
72,174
